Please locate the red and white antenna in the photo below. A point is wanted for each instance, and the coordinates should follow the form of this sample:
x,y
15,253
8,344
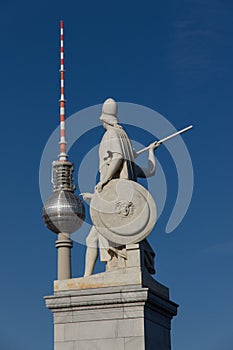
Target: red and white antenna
x,y
62,156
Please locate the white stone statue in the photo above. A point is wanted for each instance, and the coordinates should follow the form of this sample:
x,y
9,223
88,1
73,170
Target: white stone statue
x,y
116,161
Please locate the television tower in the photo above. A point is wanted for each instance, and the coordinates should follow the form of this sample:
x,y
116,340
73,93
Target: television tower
x,y
63,212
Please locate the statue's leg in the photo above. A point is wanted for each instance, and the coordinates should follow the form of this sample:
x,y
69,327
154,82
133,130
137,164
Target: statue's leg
x,y
104,249
91,252
91,257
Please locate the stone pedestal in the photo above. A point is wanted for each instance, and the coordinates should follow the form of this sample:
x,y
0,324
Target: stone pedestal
x,y
116,318
123,309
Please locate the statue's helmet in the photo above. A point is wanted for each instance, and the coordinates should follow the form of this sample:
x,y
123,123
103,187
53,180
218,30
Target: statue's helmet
x,y
109,112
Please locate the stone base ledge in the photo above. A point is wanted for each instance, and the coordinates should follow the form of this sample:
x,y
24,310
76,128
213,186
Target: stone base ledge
x,y
110,297
124,277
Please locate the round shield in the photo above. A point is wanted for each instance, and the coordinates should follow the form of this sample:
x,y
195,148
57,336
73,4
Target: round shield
x,y
124,212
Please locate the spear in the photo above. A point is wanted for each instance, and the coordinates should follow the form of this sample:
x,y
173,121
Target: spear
x,y
164,139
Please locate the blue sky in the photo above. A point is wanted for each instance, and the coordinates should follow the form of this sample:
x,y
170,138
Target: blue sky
x,y
172,56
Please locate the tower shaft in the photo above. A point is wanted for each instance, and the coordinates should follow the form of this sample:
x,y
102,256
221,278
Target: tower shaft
x,y
63,212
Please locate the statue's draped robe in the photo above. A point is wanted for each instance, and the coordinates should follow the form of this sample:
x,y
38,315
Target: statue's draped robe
x,y
114,144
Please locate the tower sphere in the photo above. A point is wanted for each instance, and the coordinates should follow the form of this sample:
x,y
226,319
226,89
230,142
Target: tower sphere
x,y
63,212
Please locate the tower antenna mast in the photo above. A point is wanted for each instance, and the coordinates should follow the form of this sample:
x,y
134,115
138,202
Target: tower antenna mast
x,y
63,155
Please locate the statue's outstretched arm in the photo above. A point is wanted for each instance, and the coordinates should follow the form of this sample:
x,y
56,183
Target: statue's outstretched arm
x,y
150,170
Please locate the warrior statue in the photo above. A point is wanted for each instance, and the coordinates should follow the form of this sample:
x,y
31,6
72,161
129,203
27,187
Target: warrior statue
x,y
116,161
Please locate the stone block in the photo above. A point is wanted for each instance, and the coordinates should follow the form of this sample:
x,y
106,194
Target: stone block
x,y
133,256
98,314
59,332
131,327
91,330
133,311
156,336
68,345
101,344
135,343
63,317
